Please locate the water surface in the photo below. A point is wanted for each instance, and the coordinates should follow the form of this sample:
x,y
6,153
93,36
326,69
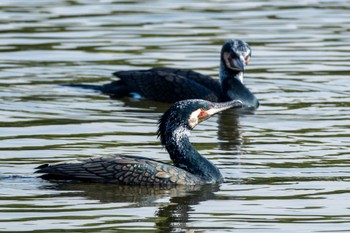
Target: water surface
x,y
286,167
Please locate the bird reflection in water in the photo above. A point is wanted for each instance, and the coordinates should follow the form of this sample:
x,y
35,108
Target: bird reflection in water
x,y
170,216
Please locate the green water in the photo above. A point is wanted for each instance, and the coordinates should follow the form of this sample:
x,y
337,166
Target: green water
x,y
286,168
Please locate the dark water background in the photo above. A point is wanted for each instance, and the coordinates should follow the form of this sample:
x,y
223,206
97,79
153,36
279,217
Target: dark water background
x,y
287,168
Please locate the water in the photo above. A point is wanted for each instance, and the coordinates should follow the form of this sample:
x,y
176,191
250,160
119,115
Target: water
x,y
286,167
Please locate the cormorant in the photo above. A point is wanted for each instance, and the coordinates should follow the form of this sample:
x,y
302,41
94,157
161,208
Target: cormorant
x,y
170,84
190,168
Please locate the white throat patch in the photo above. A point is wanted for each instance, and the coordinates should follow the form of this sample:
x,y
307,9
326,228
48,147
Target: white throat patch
x,y
193,120
240,77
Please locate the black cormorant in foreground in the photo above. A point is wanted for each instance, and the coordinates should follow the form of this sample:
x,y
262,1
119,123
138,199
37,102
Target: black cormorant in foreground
x,y
190,168
171,85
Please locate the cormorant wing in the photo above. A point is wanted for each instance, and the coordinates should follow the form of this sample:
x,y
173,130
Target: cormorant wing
x,y
171,85
119,169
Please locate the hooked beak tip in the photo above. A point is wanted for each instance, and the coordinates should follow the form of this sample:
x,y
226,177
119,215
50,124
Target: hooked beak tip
x,y
236,104
238,64
226,105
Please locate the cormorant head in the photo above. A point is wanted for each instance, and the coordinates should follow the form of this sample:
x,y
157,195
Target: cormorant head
x,y
187,114
235,55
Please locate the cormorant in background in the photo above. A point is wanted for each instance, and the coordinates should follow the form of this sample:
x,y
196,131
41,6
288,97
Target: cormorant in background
x,y
171,85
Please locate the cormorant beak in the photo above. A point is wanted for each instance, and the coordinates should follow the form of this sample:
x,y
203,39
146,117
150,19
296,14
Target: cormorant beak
x,y
218,107
235,62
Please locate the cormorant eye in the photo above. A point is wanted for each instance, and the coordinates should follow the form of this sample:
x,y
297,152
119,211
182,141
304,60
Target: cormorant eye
x,y
204,108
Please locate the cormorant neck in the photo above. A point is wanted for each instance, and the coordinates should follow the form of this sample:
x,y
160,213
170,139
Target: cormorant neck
x,y
226,73
185,156
234,89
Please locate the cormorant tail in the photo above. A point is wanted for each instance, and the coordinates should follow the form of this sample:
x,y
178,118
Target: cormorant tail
x,y
115,89
84,86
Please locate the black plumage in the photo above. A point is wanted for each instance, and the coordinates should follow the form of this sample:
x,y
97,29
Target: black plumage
x,y
171,85
190,168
